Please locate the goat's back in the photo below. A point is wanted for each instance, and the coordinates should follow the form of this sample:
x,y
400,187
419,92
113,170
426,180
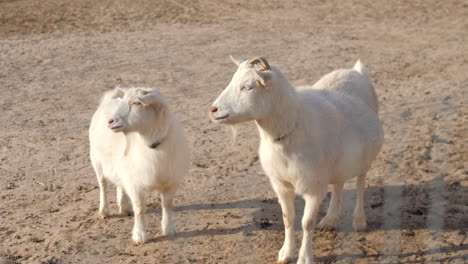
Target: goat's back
x,y
354,82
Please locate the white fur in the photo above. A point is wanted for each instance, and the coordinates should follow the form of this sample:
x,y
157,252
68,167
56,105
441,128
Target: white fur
x,y
310,137
120,153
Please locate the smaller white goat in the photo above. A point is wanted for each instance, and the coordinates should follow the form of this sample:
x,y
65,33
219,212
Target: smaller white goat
x,y
138,145
310,137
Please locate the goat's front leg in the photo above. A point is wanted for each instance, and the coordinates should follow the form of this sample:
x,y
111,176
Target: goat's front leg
x,y
312,204
103,203
286,198
138,203
168,227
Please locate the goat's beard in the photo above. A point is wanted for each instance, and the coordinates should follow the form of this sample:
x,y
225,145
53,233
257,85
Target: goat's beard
x,y
234,132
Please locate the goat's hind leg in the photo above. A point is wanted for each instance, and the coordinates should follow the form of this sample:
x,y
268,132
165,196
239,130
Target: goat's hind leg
x,y
328,222
359,221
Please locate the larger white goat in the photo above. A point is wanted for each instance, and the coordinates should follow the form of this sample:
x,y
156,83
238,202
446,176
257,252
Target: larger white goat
x,y
310,137
151,153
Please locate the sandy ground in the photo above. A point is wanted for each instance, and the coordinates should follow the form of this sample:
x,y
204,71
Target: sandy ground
x,y
57,57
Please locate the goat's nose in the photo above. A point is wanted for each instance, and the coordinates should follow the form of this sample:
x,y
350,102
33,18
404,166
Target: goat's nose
x,y
213,109
110,121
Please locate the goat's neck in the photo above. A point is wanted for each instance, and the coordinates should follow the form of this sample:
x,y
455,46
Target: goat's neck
x,y
156,133
283,118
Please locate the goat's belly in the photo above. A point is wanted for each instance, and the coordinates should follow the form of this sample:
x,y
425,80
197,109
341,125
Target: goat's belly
x,y
351,164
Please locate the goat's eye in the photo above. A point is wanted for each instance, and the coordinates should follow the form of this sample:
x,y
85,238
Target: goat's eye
x,y
136,103
246,87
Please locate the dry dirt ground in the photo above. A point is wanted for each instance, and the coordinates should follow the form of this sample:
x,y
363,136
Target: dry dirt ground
x,y
57,57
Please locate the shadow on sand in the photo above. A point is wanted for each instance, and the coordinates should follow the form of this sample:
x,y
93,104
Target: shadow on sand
x,y
413,213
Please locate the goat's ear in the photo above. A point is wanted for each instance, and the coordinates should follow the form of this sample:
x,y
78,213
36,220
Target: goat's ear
x,y
148,99
260,64
262,77
236,61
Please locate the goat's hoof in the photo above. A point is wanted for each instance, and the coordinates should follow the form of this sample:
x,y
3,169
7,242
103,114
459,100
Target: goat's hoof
x,y
305,260
104,214
169,230
125,213
327,224
125,209
139,237
285,259
286,254
359,224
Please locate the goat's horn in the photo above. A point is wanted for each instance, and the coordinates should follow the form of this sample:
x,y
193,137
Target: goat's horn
x,y
263,63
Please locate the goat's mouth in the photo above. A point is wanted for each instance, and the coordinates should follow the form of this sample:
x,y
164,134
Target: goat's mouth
x,y
116,128
220,118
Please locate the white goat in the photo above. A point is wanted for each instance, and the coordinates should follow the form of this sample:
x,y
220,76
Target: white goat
x,y
151,153
310,137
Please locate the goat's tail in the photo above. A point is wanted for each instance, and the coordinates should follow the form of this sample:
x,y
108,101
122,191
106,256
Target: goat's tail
x,y
359,67
371,100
